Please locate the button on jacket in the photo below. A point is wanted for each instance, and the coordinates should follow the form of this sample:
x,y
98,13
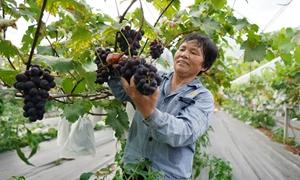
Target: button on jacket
x,y
167,138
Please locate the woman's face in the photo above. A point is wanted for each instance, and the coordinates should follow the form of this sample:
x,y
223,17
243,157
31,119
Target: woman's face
x,y
188,59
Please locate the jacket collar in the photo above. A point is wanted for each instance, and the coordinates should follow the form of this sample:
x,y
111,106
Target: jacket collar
x,y
194,84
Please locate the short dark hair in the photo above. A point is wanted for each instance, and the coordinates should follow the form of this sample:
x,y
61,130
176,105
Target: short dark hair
x,y
209,48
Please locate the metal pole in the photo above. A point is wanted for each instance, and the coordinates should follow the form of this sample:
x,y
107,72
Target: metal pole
x,y
285,128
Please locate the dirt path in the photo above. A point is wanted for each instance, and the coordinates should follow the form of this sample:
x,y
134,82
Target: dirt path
x,y
46,166
251,154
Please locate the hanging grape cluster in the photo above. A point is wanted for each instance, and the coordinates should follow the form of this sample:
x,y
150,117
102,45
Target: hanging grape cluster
x,y
146,78
156,49
103,69
34,84
130,37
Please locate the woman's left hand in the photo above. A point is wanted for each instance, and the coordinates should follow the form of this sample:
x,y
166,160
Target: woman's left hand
x,y
145,104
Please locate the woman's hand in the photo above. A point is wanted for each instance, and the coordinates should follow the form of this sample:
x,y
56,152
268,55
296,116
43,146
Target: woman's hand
x,y
145,104
113,58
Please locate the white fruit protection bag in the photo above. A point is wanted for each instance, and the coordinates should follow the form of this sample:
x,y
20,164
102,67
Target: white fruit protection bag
x,y
77,139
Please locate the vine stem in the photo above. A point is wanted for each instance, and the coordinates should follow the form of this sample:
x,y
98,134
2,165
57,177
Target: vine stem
x,y
161,14
92,97
102,95
121,20
36,36
3,16
142,24
4,32
96,114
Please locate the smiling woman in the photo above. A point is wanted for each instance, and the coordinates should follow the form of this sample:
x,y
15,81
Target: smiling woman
x,y
195,55
167,123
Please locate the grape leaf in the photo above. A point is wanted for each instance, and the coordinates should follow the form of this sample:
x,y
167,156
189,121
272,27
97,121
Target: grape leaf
x,y
7,49
297,55
8,76
256,53
22,156
86,176
117,118
172,9
73,111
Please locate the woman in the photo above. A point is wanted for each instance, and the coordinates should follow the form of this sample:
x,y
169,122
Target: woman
x,y
167,123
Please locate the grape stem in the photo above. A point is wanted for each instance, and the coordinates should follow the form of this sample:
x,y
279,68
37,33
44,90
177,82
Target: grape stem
x,y
167,7
52,47
37,32
142,24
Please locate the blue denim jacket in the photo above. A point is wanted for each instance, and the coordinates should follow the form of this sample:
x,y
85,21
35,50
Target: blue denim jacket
x,y
168,136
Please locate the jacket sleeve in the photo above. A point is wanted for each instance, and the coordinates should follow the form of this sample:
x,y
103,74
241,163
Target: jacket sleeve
x,y
183,129
117,89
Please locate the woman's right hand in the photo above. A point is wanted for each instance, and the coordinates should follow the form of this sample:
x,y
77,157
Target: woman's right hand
x,y
113,58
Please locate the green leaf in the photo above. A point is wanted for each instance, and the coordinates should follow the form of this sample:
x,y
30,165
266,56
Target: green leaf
x,y
117,118
149,30
69,83
86,176
270,55
297,55
8,76
58,64
255,53
81,39
71,6
241,24
27,39
73,111
22,156
7,49
45,50
33,143
218,4
89,80
160,5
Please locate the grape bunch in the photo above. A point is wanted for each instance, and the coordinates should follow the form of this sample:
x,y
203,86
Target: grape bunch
x,y
130,37
156,49
103,70
146,79
127,68
34,84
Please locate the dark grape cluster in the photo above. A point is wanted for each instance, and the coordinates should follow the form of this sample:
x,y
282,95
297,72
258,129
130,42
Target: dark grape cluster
x,y
34,84
127,68
103,70
146,78
156,49
130,37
